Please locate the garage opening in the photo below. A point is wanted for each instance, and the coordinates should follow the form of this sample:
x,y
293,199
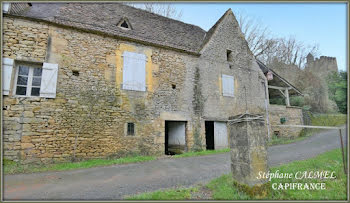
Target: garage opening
x,y
175,137
209,135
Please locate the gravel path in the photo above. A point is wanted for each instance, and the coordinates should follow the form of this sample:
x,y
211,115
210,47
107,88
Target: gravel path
x,y
115,182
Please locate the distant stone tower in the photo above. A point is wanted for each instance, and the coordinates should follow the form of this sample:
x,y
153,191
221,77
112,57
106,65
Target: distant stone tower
x,y
309,58
321,66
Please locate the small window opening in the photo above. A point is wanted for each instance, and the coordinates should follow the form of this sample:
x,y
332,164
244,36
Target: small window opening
x,y
75,73
229,55
131,129
124,24
173,86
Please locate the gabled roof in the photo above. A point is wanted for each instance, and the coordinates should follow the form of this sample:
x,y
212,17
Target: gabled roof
x,y
278,80
212,30
104,17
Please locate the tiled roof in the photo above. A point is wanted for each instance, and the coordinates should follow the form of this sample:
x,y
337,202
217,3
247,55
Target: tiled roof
x,y
104,17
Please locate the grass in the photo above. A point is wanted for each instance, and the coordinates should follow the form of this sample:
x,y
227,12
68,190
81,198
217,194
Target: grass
x,y
11,167
316,120
329,161
222,188
170,194
328,119
286,140
201,153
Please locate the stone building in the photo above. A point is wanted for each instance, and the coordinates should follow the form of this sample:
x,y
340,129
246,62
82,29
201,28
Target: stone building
x,y
282,114
89,80
322,66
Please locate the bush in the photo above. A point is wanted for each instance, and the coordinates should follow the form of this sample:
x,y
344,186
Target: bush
x,y
297,101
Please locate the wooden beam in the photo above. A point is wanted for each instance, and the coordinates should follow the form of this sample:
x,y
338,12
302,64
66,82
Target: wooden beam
x,y
282,93
309,126
278,88
287,97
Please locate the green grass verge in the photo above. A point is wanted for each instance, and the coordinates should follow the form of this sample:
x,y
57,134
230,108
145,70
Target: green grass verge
x,y
13,168
285,140
222,188
170,194
201,153
328,119
329,161
316,120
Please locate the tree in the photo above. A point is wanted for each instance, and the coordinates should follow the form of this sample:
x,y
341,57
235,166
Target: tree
x,y
266,48
164,9
315,92
256,34
337,86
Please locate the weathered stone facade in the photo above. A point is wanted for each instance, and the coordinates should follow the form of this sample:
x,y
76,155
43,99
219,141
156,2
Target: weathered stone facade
x,y
87,118
322,66
293,116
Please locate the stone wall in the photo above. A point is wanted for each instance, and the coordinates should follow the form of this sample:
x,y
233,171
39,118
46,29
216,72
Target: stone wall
x,y
293,115
88,117
321,66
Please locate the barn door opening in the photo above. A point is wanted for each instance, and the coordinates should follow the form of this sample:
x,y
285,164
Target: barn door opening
x,y
175,137
209,135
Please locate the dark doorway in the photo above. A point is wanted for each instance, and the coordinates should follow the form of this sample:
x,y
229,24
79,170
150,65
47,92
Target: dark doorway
x,y
175,133
166,138
209,135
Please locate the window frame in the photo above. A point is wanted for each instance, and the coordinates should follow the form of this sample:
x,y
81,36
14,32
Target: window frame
x,y
126,131
30,76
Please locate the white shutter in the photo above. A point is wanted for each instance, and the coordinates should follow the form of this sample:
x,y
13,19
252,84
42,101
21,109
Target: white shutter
x,y
7,65
228,85
49,80
134,71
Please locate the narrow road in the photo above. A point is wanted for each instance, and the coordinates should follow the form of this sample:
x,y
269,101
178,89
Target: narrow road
x,y
115,182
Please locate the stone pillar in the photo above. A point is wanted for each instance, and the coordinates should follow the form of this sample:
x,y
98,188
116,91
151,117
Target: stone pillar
x,y
247,134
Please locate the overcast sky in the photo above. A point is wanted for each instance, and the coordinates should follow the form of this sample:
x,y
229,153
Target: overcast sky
x,y
321,23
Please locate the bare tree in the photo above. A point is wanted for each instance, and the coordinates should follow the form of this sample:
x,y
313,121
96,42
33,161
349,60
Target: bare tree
x,y
267,48
256,34
164,9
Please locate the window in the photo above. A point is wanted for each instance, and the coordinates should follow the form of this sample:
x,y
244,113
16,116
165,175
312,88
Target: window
x,y
227,85
124,24
131,129
28,80
229,56
134,71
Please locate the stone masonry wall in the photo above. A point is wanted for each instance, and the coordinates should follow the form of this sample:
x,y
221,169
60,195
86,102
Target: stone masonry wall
x,y
293,115
87,118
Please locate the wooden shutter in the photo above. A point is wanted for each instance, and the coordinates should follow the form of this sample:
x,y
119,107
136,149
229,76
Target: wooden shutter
x,y
228,85
220,135
49,80
7,65
134,71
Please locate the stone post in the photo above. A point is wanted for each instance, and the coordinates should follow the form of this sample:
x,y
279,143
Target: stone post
x,y
247,134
